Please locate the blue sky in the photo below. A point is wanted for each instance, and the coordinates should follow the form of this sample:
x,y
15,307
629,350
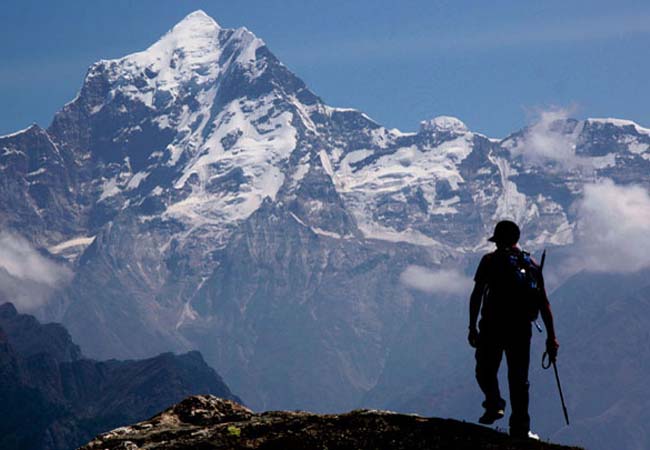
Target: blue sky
x,y
492,64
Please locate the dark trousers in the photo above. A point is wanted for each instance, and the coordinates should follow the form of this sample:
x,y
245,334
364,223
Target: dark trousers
x,y
489,352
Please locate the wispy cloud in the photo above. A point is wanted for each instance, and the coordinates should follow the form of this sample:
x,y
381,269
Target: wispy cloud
x,y
27,278
443,281
613,228
550,142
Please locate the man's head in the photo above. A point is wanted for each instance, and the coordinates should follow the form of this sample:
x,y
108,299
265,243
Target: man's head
x,y
506,234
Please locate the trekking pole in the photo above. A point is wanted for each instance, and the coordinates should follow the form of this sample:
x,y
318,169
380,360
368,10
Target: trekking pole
x,y
557,379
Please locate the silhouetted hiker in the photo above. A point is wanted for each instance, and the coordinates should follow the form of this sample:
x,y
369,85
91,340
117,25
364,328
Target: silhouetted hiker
x,y
510,287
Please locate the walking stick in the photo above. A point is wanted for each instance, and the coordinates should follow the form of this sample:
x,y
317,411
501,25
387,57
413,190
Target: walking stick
x,y
557,378
552,361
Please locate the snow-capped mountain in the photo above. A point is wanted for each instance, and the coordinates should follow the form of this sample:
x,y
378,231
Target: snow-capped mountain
x,y
205,198
203,125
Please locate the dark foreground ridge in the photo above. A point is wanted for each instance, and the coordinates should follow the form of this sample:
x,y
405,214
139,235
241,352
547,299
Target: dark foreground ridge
x,y
207,422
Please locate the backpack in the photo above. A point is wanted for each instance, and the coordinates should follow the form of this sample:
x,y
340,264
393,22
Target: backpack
x,y
528,278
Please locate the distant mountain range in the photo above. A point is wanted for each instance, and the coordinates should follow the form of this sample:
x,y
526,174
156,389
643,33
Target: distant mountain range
x,y
197,195
54,399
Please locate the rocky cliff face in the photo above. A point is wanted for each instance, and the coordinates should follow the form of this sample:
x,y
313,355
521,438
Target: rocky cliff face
x,y
51,398
210,422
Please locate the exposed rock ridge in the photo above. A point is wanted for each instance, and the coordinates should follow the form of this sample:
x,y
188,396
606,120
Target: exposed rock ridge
x,y
208,422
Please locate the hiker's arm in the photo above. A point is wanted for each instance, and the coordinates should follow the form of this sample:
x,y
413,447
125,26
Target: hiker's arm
x,y
545,310
547,318
552,344
474,308
480,282
475,300
475,304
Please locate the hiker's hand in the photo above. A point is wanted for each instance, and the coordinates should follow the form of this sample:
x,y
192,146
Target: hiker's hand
x,y
551,348
472,338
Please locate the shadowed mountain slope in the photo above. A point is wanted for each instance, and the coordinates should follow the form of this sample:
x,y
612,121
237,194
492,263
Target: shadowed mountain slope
x,y
51,398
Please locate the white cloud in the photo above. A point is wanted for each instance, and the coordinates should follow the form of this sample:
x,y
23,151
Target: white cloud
x,y
443,281
548,143
613,228
27,278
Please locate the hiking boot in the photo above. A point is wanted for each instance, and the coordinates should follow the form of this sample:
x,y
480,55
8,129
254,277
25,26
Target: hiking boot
x,y
491,415
524,435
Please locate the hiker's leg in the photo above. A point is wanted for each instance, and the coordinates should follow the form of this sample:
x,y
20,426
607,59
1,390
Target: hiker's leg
x,y
488,359
518,358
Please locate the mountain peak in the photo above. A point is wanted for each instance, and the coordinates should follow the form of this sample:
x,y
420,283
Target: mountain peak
x,y
8,311
197,35
444,123
620,123
196,42
197,20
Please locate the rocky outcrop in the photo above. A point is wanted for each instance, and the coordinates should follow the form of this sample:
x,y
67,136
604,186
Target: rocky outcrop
x,y
207,422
